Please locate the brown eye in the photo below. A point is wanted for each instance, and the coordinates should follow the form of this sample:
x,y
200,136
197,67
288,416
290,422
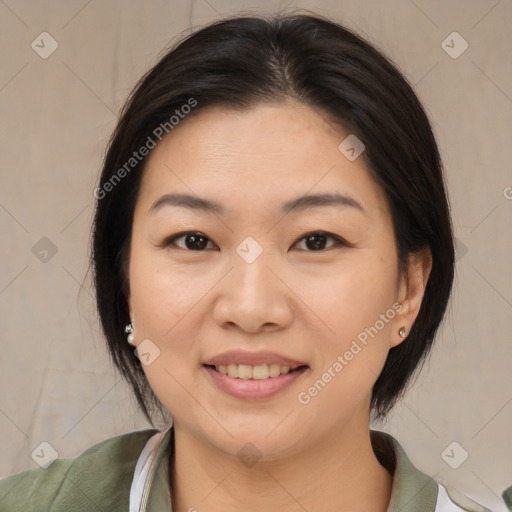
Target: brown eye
x,y
190,240
317,241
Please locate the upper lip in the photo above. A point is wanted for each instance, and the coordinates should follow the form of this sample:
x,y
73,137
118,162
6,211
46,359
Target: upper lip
x,y
252,359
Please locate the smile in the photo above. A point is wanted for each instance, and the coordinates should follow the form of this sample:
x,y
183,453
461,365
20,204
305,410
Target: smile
x,y
259,382
257,372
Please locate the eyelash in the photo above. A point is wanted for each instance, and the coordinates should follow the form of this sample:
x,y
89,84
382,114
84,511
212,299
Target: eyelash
x,y
170,240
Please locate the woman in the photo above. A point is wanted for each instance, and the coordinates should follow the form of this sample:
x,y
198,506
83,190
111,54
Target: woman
x,y
273,255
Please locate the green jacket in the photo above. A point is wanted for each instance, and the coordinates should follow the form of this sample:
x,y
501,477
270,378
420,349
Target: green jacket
x,y
129,473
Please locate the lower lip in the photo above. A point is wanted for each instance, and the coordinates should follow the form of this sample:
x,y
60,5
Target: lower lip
x,y
253,389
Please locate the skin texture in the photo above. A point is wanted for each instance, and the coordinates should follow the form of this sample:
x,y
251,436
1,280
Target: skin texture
x,y
302,303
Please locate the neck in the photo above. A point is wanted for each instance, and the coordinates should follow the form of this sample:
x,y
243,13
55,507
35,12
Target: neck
x,y
341,473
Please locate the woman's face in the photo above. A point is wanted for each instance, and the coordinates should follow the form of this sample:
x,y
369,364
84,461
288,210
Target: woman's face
x,y
247,287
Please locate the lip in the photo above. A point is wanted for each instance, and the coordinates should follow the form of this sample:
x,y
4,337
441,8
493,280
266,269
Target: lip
x,y
252,359
253,389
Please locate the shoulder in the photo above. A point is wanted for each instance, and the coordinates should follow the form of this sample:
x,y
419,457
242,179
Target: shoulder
x,y
97,479
412,489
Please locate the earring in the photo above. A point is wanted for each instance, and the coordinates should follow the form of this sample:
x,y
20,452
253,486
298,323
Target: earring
x,y
129,330
402,332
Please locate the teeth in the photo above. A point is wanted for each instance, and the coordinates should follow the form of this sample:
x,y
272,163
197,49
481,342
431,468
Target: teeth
x,y
244,371
274,370
258,372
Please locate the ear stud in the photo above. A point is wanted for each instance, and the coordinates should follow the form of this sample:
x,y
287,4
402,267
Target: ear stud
x,y
129,330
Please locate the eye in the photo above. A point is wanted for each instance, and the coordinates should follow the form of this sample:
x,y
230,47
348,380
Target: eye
x,y
192,240
317,240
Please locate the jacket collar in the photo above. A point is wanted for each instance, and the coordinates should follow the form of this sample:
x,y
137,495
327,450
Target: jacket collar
x,y
412,491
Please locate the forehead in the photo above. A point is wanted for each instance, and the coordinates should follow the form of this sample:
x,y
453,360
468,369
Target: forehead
x,y
268,154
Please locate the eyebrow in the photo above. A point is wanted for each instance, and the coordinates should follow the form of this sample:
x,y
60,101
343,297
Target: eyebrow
x,y
299,204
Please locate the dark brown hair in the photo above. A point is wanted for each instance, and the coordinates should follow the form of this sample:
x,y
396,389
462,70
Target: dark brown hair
x,y
245,61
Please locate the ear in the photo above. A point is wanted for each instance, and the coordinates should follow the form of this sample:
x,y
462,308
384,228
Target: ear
x,y
410,293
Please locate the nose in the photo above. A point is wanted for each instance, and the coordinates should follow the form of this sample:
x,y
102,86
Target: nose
x,y
253,297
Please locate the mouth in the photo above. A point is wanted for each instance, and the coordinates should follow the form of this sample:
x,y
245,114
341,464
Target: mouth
x,y
253,376
259,381
255,372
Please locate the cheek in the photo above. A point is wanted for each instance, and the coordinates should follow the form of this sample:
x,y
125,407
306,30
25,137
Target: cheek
x,y
161,296
356,309
163,303
352,296
167,307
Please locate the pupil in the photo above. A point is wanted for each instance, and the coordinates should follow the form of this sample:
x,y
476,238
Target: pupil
x,y
193,239
316,245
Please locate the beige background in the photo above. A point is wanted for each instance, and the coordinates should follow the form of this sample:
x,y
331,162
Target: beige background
x,y
56,115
